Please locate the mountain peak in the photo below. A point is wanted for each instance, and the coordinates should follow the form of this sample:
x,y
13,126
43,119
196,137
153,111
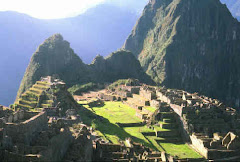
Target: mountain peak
x,y
56,37
190,45
53,56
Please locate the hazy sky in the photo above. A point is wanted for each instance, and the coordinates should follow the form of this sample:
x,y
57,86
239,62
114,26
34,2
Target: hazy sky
x,y
51,9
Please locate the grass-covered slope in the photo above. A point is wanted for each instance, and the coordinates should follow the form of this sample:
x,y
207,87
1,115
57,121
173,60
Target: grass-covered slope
x,y
55,57
191,45
105,120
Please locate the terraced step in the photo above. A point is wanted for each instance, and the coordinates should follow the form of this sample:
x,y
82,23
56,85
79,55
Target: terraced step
x,y
45,105
170,133
169,140
168,125
168,115
23,106
32,94
42,83
40,87
29,103
165,120
36,91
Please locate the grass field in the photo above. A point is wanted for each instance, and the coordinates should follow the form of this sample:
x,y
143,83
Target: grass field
x,y
104,119
151,109
180,150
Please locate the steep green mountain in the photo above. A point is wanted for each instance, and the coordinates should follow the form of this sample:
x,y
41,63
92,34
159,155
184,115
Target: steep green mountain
x,y
55,57
52,57
191,45
118,65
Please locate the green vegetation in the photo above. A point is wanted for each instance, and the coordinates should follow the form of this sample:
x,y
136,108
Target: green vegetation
x,y
42,95
165,42
105,120
55,57
180,150
151,109
31,98
79,89
123,82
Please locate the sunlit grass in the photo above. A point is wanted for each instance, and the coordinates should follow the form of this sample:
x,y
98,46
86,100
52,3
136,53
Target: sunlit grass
x,y
104,119
180,150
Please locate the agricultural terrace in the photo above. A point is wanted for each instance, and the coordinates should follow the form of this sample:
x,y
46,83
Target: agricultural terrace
x,y
111,120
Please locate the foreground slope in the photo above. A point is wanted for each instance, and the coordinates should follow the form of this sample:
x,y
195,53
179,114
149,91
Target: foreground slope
x,y
191,45
55,57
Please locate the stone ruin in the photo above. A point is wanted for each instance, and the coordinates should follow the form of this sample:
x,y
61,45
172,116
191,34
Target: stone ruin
x,y
126,151
35,136
40,95
211,127
205,122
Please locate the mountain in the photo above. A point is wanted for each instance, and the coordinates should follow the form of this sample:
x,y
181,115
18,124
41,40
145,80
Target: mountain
x,y
191,45
234,7
90,33
118,65
54,57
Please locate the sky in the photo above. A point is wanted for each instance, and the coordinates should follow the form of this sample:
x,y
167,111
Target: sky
x,y
54,9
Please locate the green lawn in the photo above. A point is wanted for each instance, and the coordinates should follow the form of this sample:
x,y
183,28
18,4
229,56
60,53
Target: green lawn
x,y
180,150
117,112
107,117
82,102
151,109
104,120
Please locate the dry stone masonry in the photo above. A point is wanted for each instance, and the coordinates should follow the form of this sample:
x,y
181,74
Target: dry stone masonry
x,y
211,128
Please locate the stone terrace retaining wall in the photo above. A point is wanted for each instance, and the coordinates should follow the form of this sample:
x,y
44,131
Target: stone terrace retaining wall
x,y
24,132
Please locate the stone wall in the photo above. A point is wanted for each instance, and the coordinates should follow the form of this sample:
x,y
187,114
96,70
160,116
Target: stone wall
x,y
107,97
199,145
12,157
25,132
163,98
150,95
155,103
58,145
16,116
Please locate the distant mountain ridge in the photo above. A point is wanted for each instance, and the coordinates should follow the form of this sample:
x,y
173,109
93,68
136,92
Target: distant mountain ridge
x,y
191,45
100,30
92,33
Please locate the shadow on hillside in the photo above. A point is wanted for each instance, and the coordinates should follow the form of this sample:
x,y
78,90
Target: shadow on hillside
x,y
107,128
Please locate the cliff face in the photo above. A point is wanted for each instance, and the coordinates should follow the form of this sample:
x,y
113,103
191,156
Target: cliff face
x,y
191,45
55,57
